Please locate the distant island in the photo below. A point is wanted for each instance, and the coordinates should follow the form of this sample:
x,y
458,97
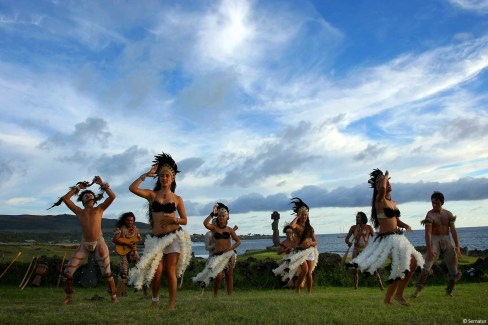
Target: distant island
x,y
65,228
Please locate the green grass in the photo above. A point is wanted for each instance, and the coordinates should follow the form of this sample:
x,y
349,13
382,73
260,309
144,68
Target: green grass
x,y
326,305
7,252
260,255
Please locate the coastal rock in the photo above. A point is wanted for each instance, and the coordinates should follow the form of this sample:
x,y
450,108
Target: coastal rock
x,y
329,260
478,253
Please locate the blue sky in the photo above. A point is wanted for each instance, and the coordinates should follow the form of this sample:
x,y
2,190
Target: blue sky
x,y
257,101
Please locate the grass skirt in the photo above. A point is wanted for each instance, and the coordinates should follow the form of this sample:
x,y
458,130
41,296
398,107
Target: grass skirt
x,y
213,267
394,246
290,265
143,272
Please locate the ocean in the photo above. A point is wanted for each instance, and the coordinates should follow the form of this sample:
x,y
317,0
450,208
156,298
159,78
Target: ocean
x,y
472,238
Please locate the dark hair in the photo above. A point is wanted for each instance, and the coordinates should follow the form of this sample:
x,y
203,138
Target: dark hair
x,y
165,159
298,203
364,218
97,197
307,231
373,176
437,195
161,160
123,217
307,228
223,206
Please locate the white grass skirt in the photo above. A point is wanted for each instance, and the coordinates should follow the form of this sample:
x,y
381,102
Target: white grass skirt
x,y
143,272
394,246
290,265
213,267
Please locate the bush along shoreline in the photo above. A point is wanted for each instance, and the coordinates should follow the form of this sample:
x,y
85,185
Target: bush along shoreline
x,y
252,272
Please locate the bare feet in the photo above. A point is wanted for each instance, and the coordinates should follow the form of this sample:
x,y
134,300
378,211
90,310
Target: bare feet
x,y
155,302
67,300
416,294
115,300
171,305
401,300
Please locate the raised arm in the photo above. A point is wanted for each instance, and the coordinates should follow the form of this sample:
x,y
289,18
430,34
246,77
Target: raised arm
x,y
381,185
144,193
106,187
208,220
67,198
295,226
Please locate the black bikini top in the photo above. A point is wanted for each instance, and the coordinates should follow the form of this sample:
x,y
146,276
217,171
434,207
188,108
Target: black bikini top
x,y
390,213
169,207
224,235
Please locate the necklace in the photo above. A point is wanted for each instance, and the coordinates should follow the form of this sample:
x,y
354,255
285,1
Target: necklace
x,y
218,225
165,194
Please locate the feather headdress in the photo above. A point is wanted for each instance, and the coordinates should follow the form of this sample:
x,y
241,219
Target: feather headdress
x,y
298,204
165,160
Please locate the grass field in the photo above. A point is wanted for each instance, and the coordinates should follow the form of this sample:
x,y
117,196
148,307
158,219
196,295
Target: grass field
x,y
7,252
326,305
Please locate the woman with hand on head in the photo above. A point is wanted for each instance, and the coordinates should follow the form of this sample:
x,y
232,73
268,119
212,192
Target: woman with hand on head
x,y
389,242
169,246
303,259
223,259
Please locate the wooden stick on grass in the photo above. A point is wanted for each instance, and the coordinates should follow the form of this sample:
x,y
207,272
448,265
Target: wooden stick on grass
x,y
60,270
30,273
27,272
12,262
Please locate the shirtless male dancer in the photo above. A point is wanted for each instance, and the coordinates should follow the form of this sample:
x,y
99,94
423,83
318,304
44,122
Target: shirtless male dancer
x,y
438,223
90,218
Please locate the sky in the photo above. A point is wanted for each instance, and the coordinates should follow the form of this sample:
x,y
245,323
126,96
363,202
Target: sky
x,y
257,101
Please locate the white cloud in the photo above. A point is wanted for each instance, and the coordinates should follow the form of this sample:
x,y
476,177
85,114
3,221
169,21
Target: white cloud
x,y
480,6
258,100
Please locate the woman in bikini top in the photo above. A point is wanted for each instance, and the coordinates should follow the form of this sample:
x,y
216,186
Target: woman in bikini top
x,y
163,205
223,236
163,202
222,233
385,214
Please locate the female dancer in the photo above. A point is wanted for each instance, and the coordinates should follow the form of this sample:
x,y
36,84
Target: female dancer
x,y
287,245
390,241
303,259
169,246
223,259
